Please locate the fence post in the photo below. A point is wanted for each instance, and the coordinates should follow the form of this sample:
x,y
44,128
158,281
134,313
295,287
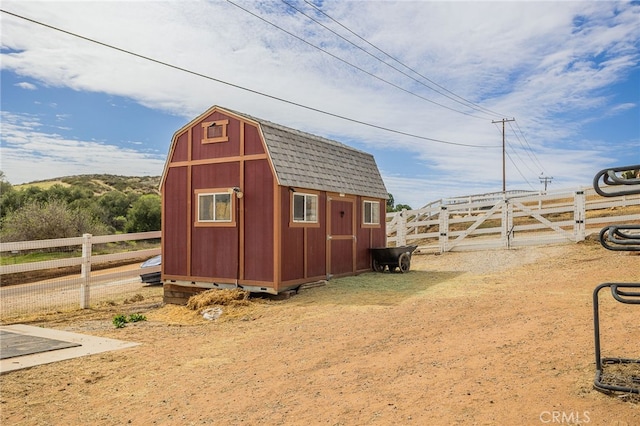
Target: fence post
x,y
401,232
507,223
443,228
579,215
85,272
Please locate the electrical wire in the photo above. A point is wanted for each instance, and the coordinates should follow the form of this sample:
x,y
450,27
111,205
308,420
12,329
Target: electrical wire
x,y
519,172
466,103
517,155
515,151
535,158
237,86
350,64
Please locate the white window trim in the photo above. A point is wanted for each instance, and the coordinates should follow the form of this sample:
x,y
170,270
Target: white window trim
x,y
293,206
364,212
214,220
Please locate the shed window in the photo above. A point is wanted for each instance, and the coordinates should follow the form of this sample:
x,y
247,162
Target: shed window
x,y
215,131
305,208
371,211
214,207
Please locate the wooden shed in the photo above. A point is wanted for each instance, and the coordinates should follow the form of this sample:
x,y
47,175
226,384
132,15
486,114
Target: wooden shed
x,y
251,204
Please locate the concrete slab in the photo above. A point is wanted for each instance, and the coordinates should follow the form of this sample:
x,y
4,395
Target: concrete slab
x,y
77,345
15,344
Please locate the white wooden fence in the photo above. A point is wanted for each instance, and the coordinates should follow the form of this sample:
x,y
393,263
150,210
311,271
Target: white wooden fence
x,y
69,290
513,220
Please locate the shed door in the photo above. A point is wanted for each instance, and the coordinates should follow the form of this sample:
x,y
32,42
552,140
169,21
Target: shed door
x,y
341,245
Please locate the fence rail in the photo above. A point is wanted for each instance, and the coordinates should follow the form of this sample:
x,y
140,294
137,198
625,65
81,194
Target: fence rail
x,y
513,221
480,222
72,288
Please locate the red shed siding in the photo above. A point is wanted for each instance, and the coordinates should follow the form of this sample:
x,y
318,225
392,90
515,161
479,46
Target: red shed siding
x,y
180,148
292,256
342,217
258,206
341,257
222,175
214,253
316,243
216,150
317,249
175,222
302,247
252,141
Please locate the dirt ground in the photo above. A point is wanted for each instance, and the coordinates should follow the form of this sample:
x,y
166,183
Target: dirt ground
x,y
475,338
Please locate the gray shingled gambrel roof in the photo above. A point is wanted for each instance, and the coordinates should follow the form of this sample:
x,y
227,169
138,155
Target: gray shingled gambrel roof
x,y
307,161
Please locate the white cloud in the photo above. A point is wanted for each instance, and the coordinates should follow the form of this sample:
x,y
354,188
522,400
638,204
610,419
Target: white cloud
x,y
27,86
27,152
545,63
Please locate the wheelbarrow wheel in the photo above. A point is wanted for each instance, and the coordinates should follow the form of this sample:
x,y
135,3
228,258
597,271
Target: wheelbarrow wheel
x,y
377,266
404,262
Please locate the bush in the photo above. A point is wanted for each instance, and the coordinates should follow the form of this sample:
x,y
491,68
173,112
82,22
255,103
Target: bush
x,y
53,219
145,214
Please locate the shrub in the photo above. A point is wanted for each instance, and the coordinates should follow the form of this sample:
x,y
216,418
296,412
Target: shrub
x,y
53,219
145,214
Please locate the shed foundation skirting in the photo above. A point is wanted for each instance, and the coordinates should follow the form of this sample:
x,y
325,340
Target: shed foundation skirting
x,y
179,295
179,292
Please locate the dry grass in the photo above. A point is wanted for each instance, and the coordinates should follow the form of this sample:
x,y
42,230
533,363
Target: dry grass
x,y
623,375
223,297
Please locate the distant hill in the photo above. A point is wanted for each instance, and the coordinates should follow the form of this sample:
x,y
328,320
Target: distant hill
x,y
103,183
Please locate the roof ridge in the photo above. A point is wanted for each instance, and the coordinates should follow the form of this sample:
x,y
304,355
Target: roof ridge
x,y
262,121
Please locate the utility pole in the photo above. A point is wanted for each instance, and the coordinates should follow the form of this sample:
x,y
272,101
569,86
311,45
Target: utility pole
x,y
545,179
504,172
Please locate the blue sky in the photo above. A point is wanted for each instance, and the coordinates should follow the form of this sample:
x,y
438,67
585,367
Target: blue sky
x,y
568,72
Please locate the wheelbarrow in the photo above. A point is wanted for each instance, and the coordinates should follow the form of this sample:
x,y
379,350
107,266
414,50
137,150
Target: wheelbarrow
x,y
392,257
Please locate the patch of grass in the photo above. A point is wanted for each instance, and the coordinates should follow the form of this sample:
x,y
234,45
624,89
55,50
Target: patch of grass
x,y
374,288
121,320
36,256
137,318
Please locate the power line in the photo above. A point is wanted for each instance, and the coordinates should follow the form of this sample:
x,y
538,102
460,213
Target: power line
x,y
519,172
530,149
349,63
466,103
511,159
236,86
515,151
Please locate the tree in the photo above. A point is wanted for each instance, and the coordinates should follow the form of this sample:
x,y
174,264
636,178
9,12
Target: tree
x,y
390,203
401,207
114,206
145,214
53,219
7,196
4,184
391,207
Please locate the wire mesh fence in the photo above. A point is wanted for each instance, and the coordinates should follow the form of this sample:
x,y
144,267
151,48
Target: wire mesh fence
x,y
75,273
